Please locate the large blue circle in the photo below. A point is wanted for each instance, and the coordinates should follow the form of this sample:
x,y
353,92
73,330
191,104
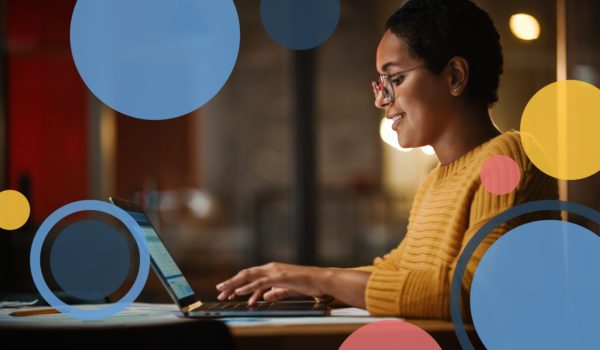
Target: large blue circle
x,y
300,24
467,253
155,59
36,268
533,288
90,259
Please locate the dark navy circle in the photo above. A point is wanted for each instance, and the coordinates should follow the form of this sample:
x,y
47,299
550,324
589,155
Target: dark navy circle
x,y
36,267
511,213
300,24
90,259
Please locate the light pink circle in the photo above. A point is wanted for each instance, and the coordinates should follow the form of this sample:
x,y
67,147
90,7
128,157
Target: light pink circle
x,y
388,335
500,175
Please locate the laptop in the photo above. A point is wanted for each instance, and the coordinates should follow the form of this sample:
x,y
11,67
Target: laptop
x,y
183,295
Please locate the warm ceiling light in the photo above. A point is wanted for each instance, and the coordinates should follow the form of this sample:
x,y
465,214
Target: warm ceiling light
x,y
524,26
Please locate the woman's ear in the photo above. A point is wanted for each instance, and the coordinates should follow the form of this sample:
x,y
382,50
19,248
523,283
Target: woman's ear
x,y
458,77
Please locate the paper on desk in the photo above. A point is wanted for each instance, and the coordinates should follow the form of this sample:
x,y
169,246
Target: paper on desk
x,y
137,314
16,304
350,311
349,315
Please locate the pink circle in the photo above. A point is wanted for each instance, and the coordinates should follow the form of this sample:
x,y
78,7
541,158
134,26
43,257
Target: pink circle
x,y
388,335
500,175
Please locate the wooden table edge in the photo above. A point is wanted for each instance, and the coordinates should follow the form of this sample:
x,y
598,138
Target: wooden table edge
x,y
429,326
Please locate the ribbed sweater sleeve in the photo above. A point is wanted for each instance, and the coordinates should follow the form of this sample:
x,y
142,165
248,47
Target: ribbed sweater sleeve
x,y
414,279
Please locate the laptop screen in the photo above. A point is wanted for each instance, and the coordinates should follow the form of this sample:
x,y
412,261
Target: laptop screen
x,y
161,259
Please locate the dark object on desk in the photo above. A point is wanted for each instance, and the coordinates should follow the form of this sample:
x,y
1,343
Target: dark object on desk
x,y
207,334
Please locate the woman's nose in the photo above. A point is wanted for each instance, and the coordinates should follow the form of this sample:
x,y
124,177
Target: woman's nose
x,y
380,100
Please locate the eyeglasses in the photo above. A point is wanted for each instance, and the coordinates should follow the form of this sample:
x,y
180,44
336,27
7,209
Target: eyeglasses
x,y
384,87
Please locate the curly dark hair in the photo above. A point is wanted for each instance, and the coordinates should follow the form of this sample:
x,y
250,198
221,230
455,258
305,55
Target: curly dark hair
x,y
437,30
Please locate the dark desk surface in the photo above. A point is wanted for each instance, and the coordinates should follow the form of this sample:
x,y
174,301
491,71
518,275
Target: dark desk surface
x,y
173,328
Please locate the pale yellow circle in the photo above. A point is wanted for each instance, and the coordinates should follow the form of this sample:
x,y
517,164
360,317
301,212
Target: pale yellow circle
x,y
14,210
560,129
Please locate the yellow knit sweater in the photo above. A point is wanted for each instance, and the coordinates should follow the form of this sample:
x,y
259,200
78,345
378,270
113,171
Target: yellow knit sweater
x,y
413,280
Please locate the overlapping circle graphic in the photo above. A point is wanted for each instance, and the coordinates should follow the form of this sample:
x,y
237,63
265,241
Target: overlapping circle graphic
x,y
87,206
533,288
500,175
300,24
509,214
90,259
388,335
559,129
155,59
14,210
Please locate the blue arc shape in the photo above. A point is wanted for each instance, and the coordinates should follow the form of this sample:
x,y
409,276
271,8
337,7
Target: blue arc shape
x,y
36,268
461,266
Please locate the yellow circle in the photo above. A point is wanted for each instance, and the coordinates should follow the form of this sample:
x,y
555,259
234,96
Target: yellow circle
x,y
14,210
560,129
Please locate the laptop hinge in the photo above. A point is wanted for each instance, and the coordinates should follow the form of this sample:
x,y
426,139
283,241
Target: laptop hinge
x,y
191,307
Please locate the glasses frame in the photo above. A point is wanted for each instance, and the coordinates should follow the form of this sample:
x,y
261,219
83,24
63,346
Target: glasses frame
x,y
383,85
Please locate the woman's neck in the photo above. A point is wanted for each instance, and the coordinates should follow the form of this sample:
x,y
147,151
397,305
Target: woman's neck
x,y
467,132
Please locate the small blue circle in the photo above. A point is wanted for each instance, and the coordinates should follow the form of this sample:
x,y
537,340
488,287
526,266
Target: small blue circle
x,y
90,259
155,59
44,230
537,288
300,24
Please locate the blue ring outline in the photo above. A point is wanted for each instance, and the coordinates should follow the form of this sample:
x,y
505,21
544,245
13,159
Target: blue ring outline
x,y
44,230
508,214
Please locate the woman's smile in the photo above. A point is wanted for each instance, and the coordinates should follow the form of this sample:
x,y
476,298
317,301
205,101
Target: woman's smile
x,y
397,119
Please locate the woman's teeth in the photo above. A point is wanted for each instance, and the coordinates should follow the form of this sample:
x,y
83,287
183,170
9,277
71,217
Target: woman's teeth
x,y
398,117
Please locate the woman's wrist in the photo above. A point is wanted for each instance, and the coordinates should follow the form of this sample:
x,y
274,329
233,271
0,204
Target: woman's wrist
x,y
324,276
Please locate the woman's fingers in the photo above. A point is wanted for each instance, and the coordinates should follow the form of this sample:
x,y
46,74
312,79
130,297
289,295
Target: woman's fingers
x,y
228,287
298,280
259,284
255,296
226,295
276,294
239,279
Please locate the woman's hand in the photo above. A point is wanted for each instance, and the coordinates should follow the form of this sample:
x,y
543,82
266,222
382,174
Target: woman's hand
x,y
274,281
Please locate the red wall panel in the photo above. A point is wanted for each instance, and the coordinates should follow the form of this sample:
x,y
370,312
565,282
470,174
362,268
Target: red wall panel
x,y
47,106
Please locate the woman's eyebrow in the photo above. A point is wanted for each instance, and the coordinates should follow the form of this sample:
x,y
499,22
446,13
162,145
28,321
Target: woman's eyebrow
x,y
385,67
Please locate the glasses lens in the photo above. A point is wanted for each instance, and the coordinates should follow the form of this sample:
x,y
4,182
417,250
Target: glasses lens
x,y
388,90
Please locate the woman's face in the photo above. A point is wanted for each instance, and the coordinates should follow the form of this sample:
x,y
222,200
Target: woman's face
x,y
422,98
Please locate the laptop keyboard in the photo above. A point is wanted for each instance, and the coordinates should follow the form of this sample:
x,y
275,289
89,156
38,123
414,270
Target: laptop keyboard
x,y
235,306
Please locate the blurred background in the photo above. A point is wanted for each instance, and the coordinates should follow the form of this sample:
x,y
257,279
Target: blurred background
x,y
289,162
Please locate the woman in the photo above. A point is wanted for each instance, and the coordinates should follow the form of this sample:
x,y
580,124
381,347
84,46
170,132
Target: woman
x,y
439,63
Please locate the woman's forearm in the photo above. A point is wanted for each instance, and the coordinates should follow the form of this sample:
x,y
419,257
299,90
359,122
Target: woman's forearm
x,y
347,286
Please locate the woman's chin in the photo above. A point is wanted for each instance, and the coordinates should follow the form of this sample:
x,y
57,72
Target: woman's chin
x,y
407,143
404,143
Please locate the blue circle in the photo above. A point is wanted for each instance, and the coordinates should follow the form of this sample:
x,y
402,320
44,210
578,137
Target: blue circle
x,y
44,230
300,24
467,253
155,59
90,259
533,287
